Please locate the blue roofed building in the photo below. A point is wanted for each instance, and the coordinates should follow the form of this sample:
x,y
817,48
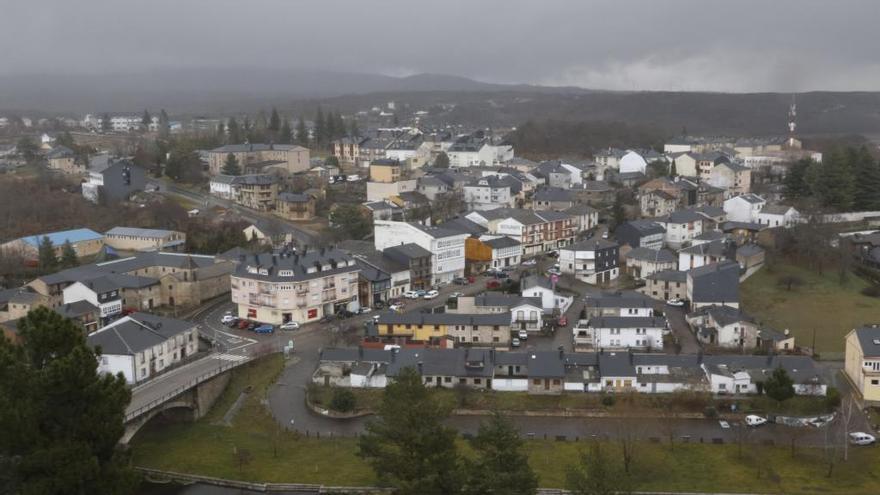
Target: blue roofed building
x,y
86,242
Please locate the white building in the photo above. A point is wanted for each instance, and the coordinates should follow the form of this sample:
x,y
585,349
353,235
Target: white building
x,y
681,226
592,261
100,292
506,251
446,246
542,288
778,216
142,345
744,208
627,332
487,193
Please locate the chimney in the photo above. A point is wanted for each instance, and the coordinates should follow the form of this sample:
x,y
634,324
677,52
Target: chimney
x,y
420,367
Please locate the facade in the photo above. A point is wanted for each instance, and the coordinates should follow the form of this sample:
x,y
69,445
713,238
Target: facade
x,y
666,285
256,191
541,288
657,203
681,227
552,198
594,261
538,231
380,191
862,362
385,171
733,178
487,329
492,253
447,247
300,287
115,183
705,253
62,159
642,262
778,216
743,208
289,157
488,193
624,304
417,259
292,206
643,233
724,326
525,313
625,332
141,346
136,239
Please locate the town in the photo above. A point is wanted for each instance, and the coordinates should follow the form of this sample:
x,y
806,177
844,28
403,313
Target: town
x,y
390,292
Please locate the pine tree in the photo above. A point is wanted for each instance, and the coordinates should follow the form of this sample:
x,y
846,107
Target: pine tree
x,y
68,255
106,125
795,181
320,129
442,160
866,196
164,123
221,132
284,134
302,134
230,166
274,121
146,120
46,255
779,387
672,171
353,129
498,447
234,131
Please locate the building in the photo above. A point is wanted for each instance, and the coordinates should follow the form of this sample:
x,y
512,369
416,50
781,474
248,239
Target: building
x,y
348,149
85,242
417,259
585,217
447,247
487,193
140,346
385,171
540,287
289,158
705,253
666,285
136,239
735,179
778,216
681,227
642,262
643,233
553,198
487,330
293,206
724,326
714,284
657,203
525,313
380,191
63,159
743,208
626,304
622,332
594,261
862,362
482,254
301,287
256,191
115,183
538,231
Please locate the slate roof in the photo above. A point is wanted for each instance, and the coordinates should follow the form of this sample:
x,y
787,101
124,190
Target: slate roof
x,y
77,309
616,364
138,232
775,209
712,248
716,282
591,244
681,217
289,197
869,340
750,198
464,225
502,242
552,194
723,315
407,251
669,276
237,148
747,250
299,263
444,362
652,255
622,299
136,332
646,227
417,318
505,300
536,281
126,265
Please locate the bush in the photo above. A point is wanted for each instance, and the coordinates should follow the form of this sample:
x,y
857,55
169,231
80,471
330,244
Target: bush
x,y
608,400
710,412
832,398
343,400
871,291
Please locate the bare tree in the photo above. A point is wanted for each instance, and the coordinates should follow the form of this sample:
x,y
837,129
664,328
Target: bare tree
x,y
830,448
847,415
669,427
627,437
242,457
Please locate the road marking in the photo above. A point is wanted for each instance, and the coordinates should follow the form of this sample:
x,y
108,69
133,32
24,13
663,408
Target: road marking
x,y
231,357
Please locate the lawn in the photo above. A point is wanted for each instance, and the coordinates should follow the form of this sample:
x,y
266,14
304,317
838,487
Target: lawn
x,y
207,448
822,304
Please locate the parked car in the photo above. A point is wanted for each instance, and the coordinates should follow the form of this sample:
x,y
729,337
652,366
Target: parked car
x,y
264,329
724,424
861,438
493,284
353,178
754,420
290,325
395,307
456,294
529,262
364,310
252,325
243,324
523,335
515,342
460,281
420,294
501,275
410,294
431,294
675,302
553,254
227,319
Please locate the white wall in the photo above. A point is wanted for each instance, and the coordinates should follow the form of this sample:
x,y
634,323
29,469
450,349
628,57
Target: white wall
x,y
510,384
632,162
114,364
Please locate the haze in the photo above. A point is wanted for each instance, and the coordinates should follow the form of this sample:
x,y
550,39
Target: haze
x,y
742,46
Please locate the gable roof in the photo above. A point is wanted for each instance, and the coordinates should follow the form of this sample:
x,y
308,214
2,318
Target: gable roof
x,y
58,238
652,255
536,281
136,332
869,340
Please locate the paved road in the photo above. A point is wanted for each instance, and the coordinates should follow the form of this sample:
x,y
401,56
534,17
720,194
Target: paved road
x,y
680,329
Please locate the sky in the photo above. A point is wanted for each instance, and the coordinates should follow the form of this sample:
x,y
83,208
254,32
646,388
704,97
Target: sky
x,y
688,45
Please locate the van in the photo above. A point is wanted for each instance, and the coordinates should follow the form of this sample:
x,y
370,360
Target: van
x,y
861,438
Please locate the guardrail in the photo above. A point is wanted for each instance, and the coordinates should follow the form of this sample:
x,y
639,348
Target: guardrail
x,y
183,388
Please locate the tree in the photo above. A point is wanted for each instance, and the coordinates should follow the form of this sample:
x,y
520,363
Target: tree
x,y
347,221
500,465
57,410
68,255
407,445
320,129
274,121
672,171
867,172
233,131
343,400
106,125
302,134
595,475
618,212
331,161
164,124
658,168
184,164
46,255
442,160
27,148
353,129
221,132
795,184
146,120
285,133
779,387
790,281
230,166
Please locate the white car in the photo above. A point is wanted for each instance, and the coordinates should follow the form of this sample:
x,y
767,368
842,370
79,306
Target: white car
x,y
395,307
227,318
514,343
411,294
431,294
675,302
365,309
753,420
456,294
724,424
861,438
353,178
523,335
529,262
290,325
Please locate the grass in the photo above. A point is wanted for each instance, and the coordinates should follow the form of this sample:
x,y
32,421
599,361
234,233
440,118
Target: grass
x,y
822,304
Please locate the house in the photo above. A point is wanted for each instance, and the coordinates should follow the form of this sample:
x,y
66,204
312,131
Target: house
x,y
63,159
103,292
745,374
477,151
379,191
777,216
289,158
705,253
552,198
140,346
256,191
417,259
271,232
644,233
85,242
750,257
488,193
685,164
594,192
706,162
558,174
432,187
724,326
115,183
347,149
380,278
538,231
382,210
295,206
136,239
627,332
681,227
594,261
300,287
222,186
862,362
541,287
385,170
735,179
717,283
16,303
657,203
642,262
492,253
83,313
622,161
486,329
625,304
447,247
585,216
526,313
666,285
712,216
744,208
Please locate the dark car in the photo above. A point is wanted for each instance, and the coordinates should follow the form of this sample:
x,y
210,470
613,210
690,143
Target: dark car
x,y
252,326
460,281
344,313
327,318
233,322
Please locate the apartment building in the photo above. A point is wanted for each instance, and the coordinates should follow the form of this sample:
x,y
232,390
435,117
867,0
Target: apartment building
x,y
594,261
447,247
293,206
289,158
862,362
301,287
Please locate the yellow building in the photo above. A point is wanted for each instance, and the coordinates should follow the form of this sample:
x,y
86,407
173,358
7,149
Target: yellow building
x,y
862,364
475,329
386,171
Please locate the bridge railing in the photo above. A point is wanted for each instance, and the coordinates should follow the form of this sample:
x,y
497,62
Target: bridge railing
x,y
130,415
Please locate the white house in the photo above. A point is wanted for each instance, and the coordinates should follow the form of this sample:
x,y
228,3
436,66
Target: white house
x,y
142,345
724,379
778,216
744,208
223,186
100,292
627,332
681,226
542,288
447,247
632,162
487,193
628,304
704,254
506,251
592,261
724,326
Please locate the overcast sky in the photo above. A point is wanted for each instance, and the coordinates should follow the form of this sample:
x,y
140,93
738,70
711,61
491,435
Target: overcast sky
x,y
733,45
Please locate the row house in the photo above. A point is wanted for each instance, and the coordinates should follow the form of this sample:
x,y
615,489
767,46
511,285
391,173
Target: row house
x,y
289,157
642,262
493,253
594,261
525,313
620,333
486,329
538,231
724,326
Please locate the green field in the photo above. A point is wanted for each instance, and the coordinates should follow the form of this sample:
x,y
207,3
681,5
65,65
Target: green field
x,y
822,304
207,448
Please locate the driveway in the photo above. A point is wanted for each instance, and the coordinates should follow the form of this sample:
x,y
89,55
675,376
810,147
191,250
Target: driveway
x,y
681,331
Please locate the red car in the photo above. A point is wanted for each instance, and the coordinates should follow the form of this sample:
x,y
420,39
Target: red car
x,y
493,284
243,324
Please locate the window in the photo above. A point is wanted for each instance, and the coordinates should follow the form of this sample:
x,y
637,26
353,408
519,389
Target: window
x,y
722,386
875,382
476,339
555,382
462,381
536,382
447,379
477,381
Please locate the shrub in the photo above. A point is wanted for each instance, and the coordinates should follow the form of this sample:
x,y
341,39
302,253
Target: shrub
x,y
710,412
871,291
832,398
343,400
608,400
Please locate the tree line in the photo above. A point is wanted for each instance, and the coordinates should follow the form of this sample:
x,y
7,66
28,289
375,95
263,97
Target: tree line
x,y
327,127
845,180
